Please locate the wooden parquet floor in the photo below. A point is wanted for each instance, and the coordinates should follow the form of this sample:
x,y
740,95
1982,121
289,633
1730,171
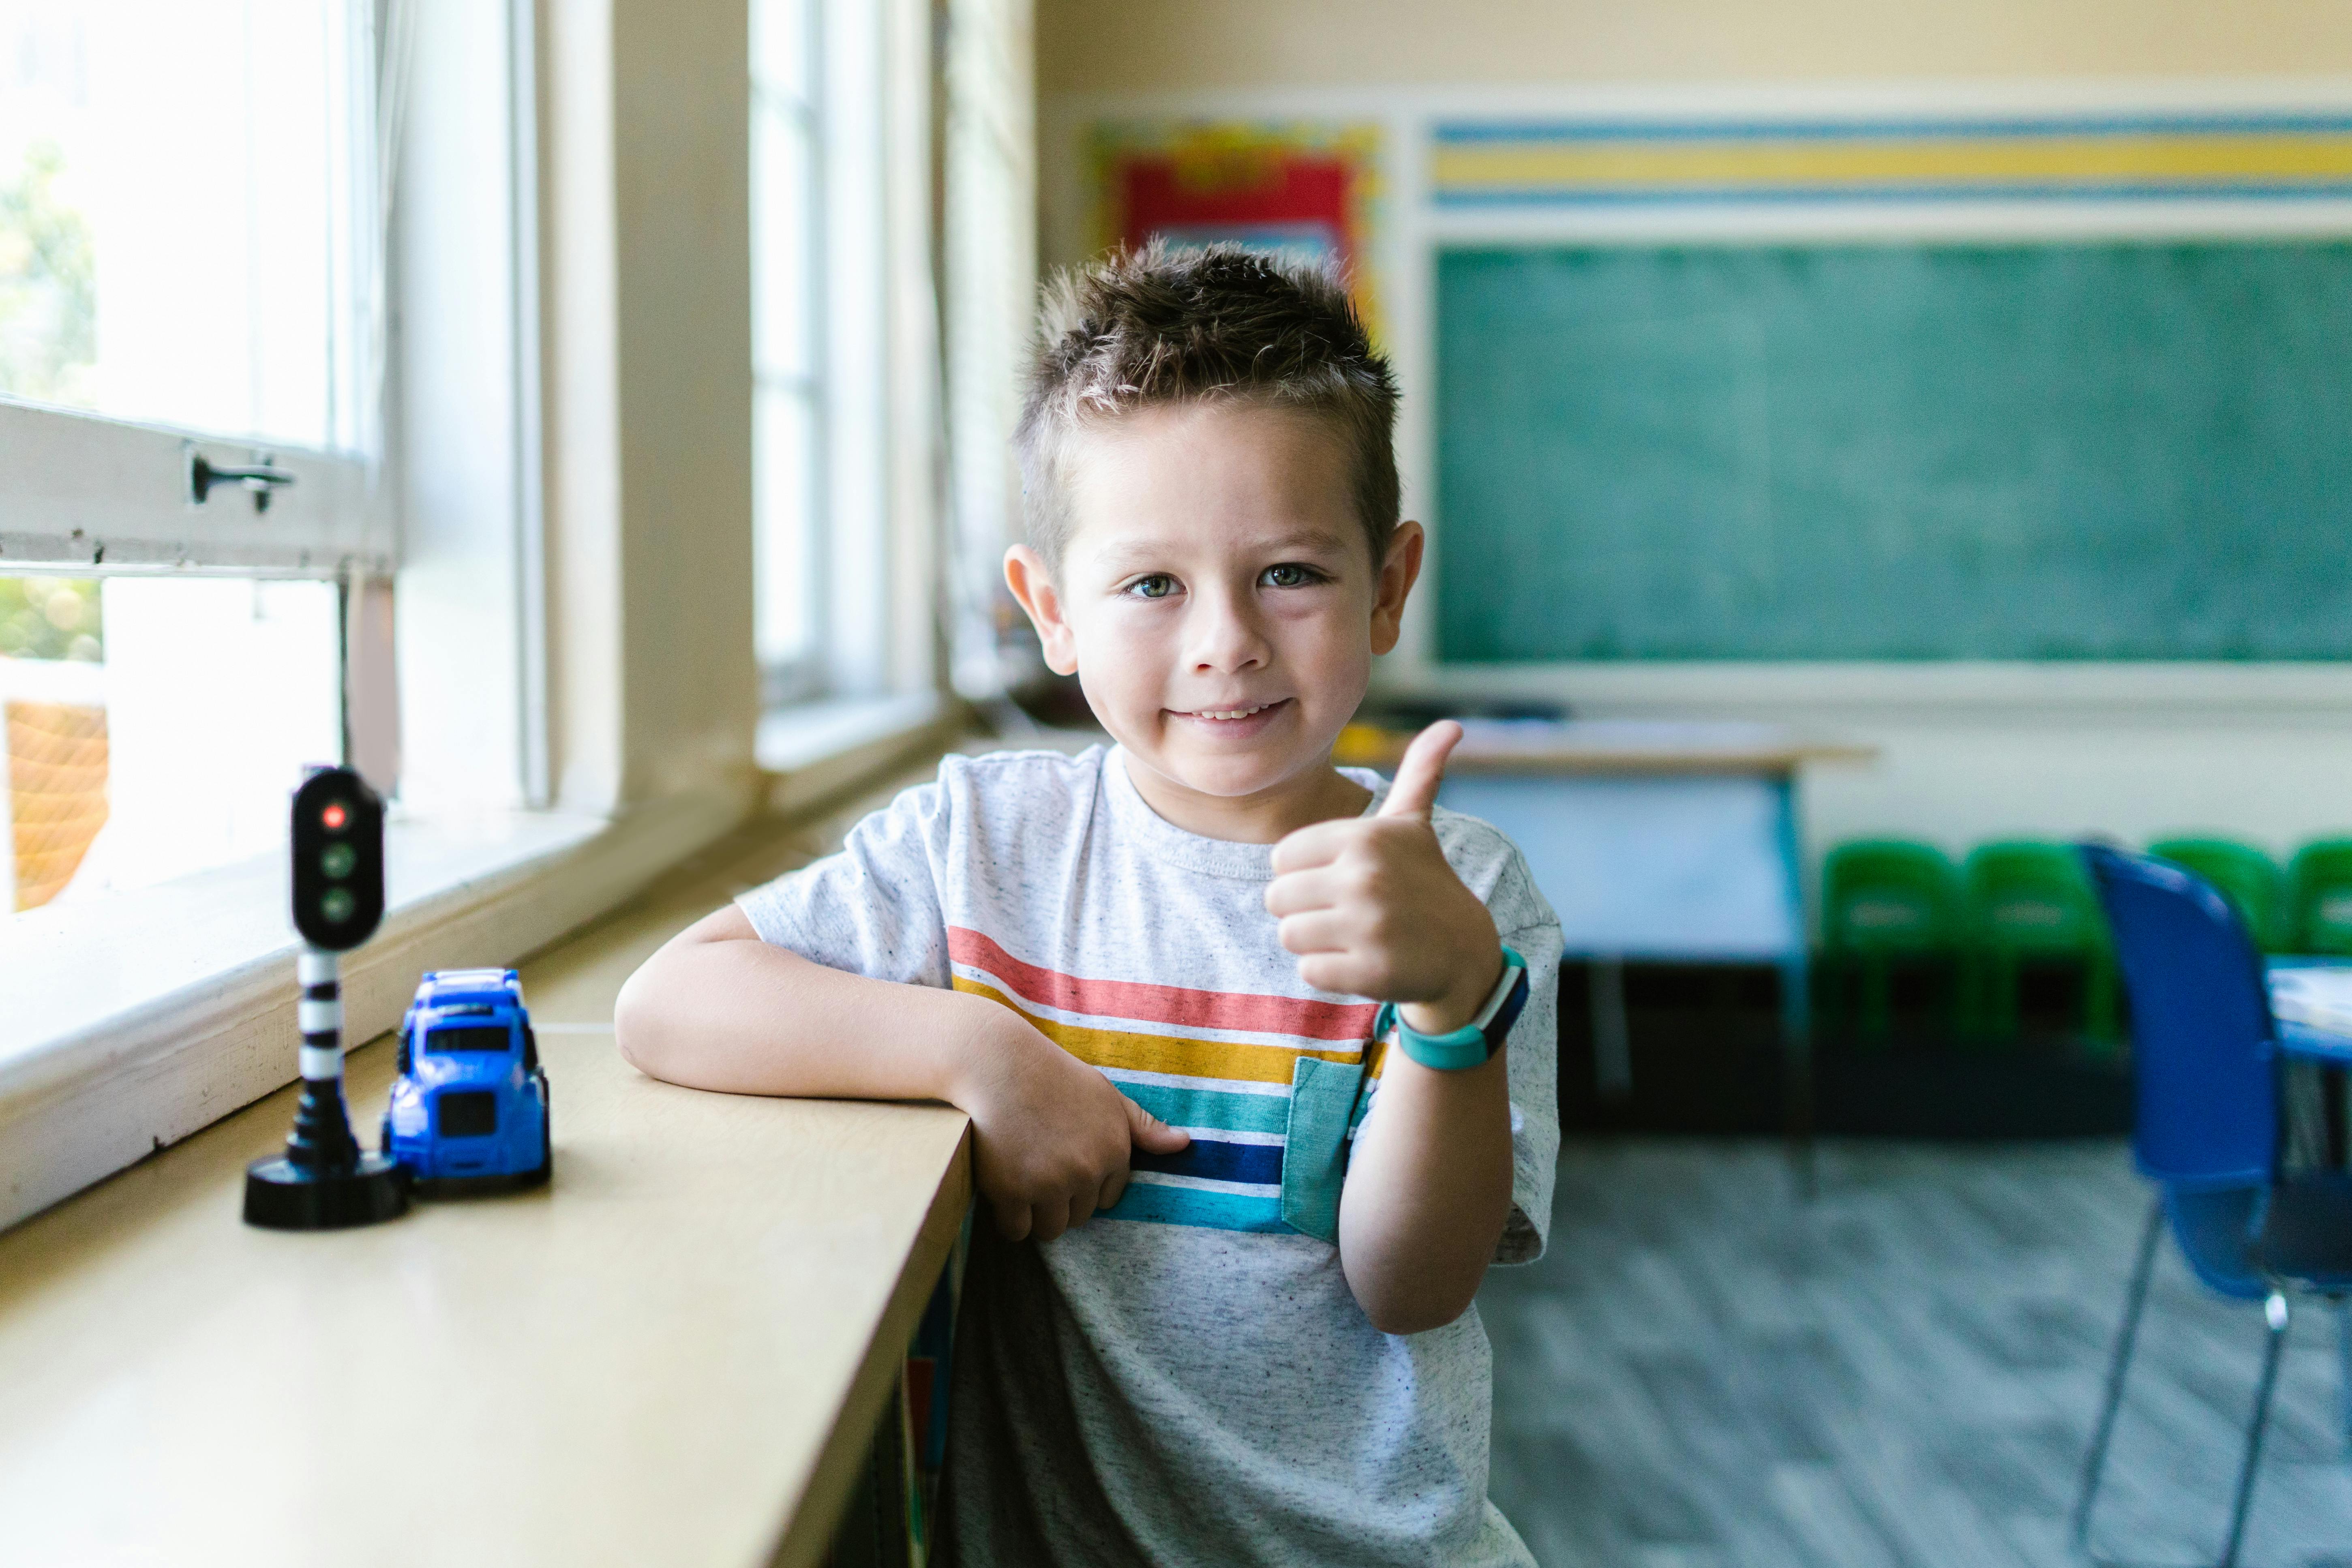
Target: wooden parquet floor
x,y
1704,1373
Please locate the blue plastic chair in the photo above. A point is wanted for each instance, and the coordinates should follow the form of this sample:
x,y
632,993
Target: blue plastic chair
x,y
2203,1050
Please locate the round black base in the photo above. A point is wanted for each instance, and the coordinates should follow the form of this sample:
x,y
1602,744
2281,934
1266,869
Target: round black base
x,y
282,1195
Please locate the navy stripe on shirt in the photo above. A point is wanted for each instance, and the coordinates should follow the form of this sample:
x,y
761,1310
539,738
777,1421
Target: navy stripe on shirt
x,y
1212,1161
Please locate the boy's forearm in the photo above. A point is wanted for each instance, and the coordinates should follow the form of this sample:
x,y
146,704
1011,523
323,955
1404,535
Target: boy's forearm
x,y
746,1017
1428,1193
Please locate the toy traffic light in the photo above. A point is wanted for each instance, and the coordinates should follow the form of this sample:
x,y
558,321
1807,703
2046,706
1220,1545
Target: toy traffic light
x,y
337,861
323,1180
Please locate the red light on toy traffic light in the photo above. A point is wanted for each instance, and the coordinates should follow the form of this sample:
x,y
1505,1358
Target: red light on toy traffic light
x,y
334,816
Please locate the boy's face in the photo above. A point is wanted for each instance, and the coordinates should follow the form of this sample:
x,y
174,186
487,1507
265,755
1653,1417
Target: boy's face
x,y
1217,597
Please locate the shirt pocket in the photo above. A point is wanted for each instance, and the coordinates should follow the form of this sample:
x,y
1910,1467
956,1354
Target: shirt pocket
x,y
1314,1144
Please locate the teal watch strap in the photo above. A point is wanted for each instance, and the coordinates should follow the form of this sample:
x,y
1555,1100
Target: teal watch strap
x,y
1476,1042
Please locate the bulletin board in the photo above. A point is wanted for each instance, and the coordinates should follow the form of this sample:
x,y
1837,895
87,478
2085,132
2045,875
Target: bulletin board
x,y
1306,189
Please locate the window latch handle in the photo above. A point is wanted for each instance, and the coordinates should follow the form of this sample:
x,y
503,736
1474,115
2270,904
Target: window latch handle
x,y
262,477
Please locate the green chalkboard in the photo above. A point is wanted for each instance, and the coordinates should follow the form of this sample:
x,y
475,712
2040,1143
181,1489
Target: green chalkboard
x,y
2062,451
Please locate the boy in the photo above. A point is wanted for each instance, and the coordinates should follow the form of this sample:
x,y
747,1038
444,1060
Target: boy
x,y
1152,976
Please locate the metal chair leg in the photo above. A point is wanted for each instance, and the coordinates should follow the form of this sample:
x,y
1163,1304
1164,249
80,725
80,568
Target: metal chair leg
x,y
2344,1363
2274,1312
2095,1463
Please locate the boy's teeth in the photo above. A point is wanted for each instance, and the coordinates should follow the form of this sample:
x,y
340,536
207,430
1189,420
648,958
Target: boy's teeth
x,y
1235,712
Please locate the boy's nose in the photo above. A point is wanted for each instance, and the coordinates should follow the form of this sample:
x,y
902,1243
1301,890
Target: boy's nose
x,y
1222,635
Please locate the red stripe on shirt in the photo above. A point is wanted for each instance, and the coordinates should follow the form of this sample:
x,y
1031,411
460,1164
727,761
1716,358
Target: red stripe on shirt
x,y
1164,1004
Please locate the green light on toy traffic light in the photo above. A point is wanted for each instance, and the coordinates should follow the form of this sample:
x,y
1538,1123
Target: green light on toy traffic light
x,y
336,904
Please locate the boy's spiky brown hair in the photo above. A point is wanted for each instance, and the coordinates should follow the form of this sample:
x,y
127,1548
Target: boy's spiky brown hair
x,y
1165,325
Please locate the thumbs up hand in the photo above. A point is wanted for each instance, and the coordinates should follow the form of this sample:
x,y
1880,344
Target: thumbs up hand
x,y
1372,908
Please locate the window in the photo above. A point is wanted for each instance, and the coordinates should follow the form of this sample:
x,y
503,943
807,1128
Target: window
x,y
847,361
990,289
154,725
174,191
191,352
787,309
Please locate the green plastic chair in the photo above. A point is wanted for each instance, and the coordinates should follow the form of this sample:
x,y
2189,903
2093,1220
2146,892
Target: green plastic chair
x,y
2247,877
1884,901
2028,900
2319,898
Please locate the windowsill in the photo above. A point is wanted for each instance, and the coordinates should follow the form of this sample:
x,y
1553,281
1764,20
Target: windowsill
x,y
814,750
136,1020
75,970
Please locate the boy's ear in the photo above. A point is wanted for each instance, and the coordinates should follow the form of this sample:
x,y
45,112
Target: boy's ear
x,y
1398,574
1032,583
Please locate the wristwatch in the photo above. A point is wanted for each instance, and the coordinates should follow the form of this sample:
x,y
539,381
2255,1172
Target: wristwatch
x,y
1476,1042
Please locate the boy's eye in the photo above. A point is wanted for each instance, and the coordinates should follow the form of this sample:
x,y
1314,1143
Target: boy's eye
x,y
1289,574
1157,585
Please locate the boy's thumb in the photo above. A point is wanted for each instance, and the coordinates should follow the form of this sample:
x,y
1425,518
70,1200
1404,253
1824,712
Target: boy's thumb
x,y
1150,1133
1422,771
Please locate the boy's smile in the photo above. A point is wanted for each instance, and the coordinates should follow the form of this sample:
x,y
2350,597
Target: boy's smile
x,y
1218,600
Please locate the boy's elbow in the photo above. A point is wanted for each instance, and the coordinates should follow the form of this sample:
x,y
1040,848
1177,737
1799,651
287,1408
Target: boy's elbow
x,y
636,1025
1415,1317
1413,1306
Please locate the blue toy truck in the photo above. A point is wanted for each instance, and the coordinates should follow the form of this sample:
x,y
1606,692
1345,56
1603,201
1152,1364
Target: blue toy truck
x,y
469,1110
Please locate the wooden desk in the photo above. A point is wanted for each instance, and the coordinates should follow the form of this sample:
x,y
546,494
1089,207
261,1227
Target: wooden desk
x,y
675,1353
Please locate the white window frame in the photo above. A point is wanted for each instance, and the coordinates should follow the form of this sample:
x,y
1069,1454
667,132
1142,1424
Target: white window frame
x,y
101,495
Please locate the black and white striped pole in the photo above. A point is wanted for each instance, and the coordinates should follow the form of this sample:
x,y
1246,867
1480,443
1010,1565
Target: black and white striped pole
x,y
323,1180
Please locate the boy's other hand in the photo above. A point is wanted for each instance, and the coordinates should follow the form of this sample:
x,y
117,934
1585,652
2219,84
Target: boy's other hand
x,y
1051,1136
1372,907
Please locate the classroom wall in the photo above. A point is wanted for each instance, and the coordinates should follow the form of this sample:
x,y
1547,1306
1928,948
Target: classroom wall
x,y
1964,753
1109,45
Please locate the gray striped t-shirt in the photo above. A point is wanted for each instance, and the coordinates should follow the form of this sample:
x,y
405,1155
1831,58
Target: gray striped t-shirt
x,y
1187,1378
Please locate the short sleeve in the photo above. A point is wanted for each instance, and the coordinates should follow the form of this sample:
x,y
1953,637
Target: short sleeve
x,y
875,908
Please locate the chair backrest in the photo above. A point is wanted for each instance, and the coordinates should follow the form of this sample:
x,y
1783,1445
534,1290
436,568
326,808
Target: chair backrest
x,y
1881,894
2241,873
2027,895
2319,916
2202,1031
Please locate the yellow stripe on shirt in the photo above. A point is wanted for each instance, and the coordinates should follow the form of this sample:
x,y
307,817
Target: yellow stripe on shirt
x,y
1169,1053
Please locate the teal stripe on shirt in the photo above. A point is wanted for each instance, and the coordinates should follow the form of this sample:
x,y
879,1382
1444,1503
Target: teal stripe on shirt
x,y
1154,1203
1211,1109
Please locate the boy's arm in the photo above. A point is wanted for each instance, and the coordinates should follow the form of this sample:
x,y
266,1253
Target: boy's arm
x,y
1428,1190
718,1008
1374,908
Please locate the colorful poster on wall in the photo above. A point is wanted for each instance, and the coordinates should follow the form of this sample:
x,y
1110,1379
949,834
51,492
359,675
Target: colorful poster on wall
x,y
1307,189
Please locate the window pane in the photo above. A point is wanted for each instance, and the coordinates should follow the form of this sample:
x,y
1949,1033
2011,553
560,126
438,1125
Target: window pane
x,y
784,483
156,725
780,45
784,237
171,177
